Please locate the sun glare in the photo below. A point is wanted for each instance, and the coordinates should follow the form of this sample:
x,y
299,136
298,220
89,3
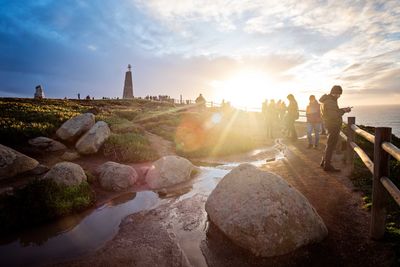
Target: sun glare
x,y
247,89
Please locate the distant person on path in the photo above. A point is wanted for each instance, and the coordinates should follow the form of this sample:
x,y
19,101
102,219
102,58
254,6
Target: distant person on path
x,y
281,108
200,101
291,116
272,118
332,117
313,121
264,111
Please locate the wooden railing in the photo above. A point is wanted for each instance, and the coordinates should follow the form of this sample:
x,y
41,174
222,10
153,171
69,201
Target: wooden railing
x,y
382,186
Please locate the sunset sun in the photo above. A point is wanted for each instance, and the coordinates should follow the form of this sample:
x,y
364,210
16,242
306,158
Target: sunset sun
x,y
247,88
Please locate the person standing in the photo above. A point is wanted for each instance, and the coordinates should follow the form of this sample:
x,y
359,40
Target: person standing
x,y
267,118
332,117
272,115
201,102
291,116
313,121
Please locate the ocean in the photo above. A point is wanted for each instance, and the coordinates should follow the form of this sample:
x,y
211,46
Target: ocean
x,y
377,116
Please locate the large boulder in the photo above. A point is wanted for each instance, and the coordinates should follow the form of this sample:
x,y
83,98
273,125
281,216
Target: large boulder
x,y
169,171
66,173
261,212
75,127
116,177
13,162
47,144
91,141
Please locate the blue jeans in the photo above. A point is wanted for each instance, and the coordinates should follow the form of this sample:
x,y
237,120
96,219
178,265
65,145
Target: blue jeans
x,y
317,128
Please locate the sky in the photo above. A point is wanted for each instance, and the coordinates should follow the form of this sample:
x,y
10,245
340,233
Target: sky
x,y
239,51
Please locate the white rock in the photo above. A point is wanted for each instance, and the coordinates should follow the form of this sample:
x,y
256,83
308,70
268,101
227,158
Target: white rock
x,y
169,171
91,141
66,173
47,144
261,212
116,177
76,126
13,162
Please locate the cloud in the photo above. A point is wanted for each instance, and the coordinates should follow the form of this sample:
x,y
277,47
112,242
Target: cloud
x,y
181,45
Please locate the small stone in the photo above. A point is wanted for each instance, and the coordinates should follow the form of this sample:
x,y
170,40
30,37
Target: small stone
x,y
7,191
70,156
40,169
47,144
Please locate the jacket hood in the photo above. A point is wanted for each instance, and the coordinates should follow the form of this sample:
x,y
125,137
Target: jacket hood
x,y
324,98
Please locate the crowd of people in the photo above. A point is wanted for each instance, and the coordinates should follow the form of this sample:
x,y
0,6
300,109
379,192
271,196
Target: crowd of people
x,y
320,115
279,117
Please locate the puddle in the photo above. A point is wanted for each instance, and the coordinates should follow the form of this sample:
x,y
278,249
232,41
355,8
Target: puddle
x,y
80,234
73,236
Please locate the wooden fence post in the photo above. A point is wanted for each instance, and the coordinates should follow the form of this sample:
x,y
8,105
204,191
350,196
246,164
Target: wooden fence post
x,y
350,138
379,193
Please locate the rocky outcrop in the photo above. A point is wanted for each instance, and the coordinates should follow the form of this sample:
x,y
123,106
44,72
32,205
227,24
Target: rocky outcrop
x,y
66,173
116,177
13,162
169,171
75,127
47,144
261,212
91,141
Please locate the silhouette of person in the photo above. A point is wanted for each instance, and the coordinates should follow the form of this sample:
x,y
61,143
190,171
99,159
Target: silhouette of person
x,y
332,117
313,121
291,116
272,118
200,101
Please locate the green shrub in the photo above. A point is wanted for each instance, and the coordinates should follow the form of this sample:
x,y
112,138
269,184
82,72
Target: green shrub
x,y
128,147
41,201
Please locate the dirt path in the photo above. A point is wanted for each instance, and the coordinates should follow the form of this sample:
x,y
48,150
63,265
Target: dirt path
x,y
338,203
161,236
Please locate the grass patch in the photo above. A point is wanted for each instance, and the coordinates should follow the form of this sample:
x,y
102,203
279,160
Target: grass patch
x,y
22,120
42,201
128,147
218,134
126,114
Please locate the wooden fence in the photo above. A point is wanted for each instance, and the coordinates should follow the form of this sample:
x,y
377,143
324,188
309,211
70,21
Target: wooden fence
x,y
382,187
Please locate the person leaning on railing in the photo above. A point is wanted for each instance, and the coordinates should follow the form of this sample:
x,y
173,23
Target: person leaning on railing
x,y
332,117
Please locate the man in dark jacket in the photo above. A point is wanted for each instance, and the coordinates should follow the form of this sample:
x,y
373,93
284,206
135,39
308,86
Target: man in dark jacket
x,y
332,116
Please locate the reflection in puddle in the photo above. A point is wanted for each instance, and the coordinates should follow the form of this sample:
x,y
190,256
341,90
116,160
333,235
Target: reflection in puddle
x,y
76,235
89,231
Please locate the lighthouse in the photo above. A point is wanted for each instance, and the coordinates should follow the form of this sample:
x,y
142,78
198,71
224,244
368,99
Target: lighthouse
x,y
128,85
